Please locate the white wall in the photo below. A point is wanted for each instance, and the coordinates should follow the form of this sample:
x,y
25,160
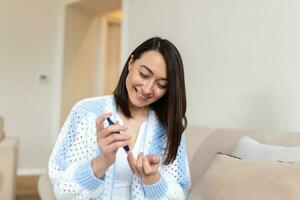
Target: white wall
x,y
79,58
58,38
241,57
28,41
241,60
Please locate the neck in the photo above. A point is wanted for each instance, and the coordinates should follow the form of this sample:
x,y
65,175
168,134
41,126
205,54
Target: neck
x,y
138,113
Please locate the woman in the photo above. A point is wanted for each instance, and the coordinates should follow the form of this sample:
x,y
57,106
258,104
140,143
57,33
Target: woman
x,y
148,108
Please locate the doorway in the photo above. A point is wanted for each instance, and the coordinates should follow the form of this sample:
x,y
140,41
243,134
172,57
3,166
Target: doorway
x,y
91,55
111,31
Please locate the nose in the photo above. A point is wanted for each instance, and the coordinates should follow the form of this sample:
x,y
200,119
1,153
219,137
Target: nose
x,y
148,87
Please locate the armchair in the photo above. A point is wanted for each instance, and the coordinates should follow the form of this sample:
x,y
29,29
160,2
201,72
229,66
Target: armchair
x,y
8,164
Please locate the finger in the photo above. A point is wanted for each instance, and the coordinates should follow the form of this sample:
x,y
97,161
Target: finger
x,y
114,138
153,159
111,129
116,145
131,162
116,128
100,120
139,164
147,167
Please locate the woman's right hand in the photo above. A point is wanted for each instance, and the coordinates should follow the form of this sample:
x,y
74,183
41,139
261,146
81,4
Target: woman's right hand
x,y
108,143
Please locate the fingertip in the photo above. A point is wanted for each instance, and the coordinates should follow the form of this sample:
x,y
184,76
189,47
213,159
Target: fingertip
x,y
108,114
129,153
153,159
130,156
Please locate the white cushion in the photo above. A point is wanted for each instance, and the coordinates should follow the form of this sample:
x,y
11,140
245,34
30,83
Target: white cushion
x,y
251,149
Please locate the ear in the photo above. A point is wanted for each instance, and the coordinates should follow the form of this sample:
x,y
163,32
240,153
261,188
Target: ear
x,y
130,63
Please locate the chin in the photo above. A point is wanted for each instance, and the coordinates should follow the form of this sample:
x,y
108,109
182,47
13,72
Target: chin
x,y
139,104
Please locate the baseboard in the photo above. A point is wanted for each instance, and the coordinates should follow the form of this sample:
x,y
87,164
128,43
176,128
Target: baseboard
x,y
30,171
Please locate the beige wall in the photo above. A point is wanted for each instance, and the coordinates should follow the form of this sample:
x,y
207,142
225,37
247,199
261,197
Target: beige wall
x,y
28,42
241,57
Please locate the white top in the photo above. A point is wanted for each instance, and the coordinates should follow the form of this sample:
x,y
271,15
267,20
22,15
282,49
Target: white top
x,y
123,174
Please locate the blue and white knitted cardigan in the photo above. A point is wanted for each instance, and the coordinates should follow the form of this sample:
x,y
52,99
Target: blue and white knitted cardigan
x,y
70,168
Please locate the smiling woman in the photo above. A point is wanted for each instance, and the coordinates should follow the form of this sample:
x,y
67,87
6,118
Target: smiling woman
x,y
148,107
146,80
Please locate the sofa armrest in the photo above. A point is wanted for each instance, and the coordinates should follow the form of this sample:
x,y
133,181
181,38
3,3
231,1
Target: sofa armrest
x,y
218,141
45,188
195,135
8,168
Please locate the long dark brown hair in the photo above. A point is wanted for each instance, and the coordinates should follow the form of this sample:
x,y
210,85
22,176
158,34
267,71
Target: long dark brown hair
x,y
171,108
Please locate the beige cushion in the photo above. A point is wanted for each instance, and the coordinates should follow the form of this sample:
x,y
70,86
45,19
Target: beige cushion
x,y
225,140
205,154
229,178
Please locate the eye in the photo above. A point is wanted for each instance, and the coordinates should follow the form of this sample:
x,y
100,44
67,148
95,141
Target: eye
x,y
162,86
144,76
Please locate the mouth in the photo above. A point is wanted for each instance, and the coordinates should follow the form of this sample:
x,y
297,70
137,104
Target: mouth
x,y
140,94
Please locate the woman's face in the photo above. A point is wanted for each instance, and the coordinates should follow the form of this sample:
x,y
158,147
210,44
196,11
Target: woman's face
x,y
147,80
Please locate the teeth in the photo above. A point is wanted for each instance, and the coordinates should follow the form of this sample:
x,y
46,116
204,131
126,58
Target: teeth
x,y
141,95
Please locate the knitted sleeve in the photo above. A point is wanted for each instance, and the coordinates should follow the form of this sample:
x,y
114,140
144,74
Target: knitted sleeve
x,y
70,169
175,181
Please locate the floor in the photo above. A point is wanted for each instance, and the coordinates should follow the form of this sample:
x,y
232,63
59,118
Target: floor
x,y
27,188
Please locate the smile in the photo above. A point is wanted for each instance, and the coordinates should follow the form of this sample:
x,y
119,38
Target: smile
x,y
142,96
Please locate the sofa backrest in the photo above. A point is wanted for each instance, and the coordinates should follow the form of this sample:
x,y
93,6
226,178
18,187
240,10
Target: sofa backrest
x,y
1,129
225,141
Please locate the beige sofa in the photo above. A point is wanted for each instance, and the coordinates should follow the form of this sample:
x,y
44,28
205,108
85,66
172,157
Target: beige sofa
x,y
8,163
202,146
225,140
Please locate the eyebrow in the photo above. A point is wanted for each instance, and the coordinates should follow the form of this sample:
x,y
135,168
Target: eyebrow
x,y
151,72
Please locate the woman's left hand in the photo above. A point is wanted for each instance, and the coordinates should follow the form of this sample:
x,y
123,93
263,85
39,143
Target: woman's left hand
x,y
145,167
